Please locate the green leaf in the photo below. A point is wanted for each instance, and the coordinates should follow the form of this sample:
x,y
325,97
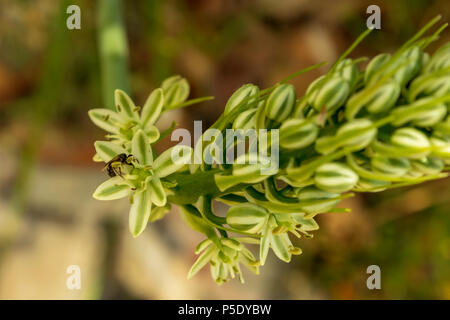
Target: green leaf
x,y
172,160
124,105
141,149
140,211
107,150
152,108
106,119
158,195
112,189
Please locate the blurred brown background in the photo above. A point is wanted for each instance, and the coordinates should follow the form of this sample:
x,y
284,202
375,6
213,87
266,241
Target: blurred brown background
x,y
51,76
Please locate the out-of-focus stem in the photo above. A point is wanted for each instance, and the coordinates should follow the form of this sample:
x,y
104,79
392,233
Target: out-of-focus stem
x,y
113,50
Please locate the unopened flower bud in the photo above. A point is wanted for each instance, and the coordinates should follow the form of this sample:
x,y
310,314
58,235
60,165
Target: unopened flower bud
x,y
320,201
390,166
280,102
347,70
374,65
422,113
247,217
176,90
328,92
439,60
241,97
297,133
335,177
428,165
412,140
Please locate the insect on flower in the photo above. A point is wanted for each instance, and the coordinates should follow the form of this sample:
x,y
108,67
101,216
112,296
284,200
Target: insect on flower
x,y
114,166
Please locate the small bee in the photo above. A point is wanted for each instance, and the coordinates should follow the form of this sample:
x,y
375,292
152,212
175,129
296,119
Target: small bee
x,y
114,166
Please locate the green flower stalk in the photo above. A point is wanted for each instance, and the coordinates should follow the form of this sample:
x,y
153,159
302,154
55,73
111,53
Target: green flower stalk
x,y
353,130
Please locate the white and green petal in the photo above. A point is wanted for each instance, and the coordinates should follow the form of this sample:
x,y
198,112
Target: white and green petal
x,y
112,189
141,149
125,106
106,119
152,108
158,195
172,160
140,211
107,150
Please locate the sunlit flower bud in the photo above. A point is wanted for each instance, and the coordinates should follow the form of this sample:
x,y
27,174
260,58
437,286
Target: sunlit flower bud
x,y
176,90
280,102
323,201
297,133
443,127
335,177
347,70
411,139
441,146
429,85
439,60
374,65
242,97
428,165
413,56
247,217
373,100
371,185
329,92
356,134
423,113
245,120
390,166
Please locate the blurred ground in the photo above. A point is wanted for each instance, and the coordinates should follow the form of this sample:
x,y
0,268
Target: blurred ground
x,y
46,146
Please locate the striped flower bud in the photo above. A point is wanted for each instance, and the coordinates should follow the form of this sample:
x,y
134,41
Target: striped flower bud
x,y
428,165
373,100
325,201
374,65
280,102
242,97
443,127
297,133
245,120
390,166
335,177
347,70
405,72
247,217
356,134
439,60
423,113
328,92
429,85
412,140
404,66
441,146
246,169
371,185
176,90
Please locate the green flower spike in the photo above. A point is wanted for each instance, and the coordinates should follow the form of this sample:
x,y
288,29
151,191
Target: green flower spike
x,y
359,130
